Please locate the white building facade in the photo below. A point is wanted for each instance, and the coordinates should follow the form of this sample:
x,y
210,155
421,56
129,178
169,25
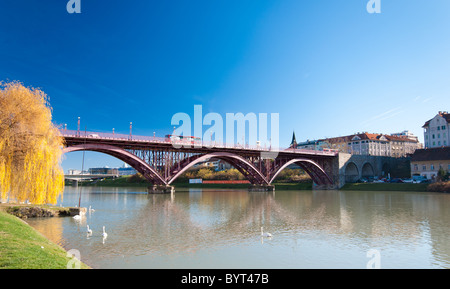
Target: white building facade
x,y
437,131
395,145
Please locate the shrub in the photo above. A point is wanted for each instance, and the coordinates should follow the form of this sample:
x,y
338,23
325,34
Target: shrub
x,y
439,187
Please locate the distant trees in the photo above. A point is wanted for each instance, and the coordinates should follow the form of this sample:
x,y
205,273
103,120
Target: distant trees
x,y
442,175
30,146
210,174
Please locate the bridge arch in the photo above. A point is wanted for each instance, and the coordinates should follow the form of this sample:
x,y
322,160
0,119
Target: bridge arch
x,y
367,171
351,173
385,170
137,163
318,175
240,163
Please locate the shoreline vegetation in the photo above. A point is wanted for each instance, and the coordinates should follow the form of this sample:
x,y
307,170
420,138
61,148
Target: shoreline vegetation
x,y
281,185
23,247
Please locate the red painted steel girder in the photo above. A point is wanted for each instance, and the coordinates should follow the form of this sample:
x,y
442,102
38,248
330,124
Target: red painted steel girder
x,y
318,175
137,163
240,163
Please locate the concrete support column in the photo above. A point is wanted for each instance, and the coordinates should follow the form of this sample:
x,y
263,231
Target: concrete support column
x,y
161,189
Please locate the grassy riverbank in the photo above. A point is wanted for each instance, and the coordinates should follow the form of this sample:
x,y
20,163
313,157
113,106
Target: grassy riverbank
x,y
22,247
136,182
132,182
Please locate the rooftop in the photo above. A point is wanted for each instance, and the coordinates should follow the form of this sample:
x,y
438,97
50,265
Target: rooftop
x,y
431,154
368,136
444,114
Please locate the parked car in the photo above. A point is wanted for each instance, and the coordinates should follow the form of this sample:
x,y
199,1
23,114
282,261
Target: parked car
x,y
396,180
418,179
407,180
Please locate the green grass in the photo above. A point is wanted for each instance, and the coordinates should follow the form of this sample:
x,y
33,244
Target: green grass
x,y
21,247
385,187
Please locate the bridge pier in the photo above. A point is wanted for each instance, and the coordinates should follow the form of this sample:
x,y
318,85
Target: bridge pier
x,y
261,188
161,189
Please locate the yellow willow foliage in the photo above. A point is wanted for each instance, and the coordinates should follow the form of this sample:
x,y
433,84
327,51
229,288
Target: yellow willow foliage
x,y
30,147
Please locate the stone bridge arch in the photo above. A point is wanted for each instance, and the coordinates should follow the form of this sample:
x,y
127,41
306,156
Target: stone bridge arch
x,y
367,170
351,172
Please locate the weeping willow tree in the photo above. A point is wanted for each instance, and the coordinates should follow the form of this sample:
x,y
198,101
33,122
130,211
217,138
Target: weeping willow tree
x,y
30,147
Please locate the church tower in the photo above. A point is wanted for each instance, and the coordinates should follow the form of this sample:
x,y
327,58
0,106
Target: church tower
x,y
293,142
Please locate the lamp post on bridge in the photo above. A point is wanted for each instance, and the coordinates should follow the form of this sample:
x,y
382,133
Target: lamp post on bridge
x,y
78,129
131,126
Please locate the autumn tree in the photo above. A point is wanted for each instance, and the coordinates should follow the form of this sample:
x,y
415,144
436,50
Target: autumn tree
x,y
30,146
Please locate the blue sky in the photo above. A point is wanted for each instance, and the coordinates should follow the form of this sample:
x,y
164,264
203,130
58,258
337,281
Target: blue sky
x,y
328,68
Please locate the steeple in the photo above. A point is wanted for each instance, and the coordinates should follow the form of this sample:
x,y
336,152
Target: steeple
x,y
294,141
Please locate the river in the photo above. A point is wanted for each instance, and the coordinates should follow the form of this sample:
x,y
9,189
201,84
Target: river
x,y
217,229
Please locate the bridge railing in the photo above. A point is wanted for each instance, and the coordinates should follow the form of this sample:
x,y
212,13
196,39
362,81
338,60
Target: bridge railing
x,y
163,140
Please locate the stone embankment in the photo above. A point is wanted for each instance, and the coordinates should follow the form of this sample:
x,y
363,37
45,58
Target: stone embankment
x,y
25,212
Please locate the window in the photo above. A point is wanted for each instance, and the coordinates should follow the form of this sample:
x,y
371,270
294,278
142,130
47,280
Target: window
x,y
416,167
439,135
424,167
439,143
443,127
449,167
439,128
433,136
432,167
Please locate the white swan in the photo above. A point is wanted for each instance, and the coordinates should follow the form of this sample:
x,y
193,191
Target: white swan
x,y
91,210
104,234
265,234
89,231
77,217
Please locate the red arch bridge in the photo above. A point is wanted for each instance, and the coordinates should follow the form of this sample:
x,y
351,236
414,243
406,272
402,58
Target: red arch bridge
x,y
163,160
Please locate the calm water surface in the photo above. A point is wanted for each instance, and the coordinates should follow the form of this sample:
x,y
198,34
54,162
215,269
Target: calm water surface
x,y
221,229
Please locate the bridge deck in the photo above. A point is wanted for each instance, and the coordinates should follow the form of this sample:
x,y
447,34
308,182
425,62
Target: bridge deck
x,y
148,142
